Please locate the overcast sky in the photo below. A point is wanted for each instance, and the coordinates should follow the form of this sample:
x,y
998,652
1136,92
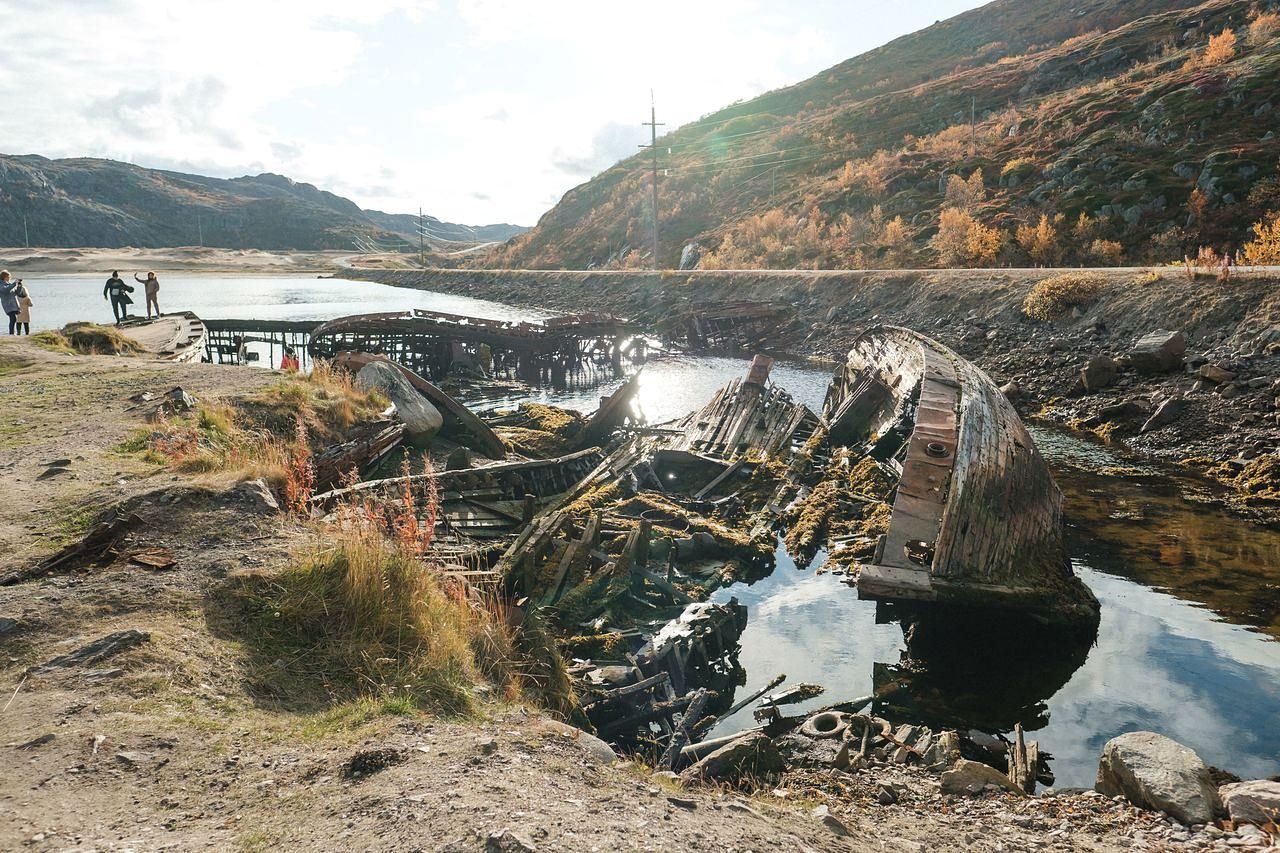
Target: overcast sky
x,y
479,110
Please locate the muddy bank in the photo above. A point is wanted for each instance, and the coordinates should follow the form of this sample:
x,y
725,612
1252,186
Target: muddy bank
x,y
1233,327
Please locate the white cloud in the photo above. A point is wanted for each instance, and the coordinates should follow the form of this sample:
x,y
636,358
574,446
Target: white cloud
x,y
484,109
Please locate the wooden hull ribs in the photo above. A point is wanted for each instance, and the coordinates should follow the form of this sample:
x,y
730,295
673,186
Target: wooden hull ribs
x,y
976,516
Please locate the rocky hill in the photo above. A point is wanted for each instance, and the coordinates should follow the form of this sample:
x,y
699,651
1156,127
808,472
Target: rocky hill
x,y
104,203
982,140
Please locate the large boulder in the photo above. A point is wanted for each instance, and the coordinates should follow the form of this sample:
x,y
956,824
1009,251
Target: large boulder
x,y
422,420
749,756
1252,802
1158,352
1154,772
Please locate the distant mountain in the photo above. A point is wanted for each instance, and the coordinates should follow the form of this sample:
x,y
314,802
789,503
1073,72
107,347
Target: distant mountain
x,y
104,203
406,225
1157,120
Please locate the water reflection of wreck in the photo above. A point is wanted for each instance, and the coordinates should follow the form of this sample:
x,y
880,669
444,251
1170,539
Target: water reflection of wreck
x,y
977,518
946,675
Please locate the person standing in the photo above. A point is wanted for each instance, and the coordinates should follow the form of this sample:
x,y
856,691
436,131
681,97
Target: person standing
x,y
150,286
9,300
118,292
24,308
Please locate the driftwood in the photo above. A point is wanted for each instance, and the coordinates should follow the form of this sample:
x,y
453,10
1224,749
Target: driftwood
x,y
96,545
747,700
681,735
1024,761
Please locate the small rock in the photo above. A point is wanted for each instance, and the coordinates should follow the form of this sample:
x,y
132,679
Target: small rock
x,y
970,777
830,821
508,841
1215,374
489,747
1158,352
1166,413
750,755
886,796
1099,372
134,760
256,496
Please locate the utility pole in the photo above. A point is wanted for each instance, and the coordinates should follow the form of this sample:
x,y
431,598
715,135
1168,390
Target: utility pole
x,y
26,238
199,231
422,242
653,124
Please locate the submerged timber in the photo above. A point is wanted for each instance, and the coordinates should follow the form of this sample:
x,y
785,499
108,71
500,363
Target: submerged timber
x,y
977,518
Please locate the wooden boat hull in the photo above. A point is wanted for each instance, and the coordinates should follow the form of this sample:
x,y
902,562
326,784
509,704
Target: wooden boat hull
x,y
977,517
460,423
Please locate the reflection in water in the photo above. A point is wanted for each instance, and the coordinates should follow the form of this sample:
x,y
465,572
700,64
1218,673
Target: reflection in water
x,y
1159,663
975,669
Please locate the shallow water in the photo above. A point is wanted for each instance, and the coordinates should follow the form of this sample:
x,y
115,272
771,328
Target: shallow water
x,y
1190,594
66,299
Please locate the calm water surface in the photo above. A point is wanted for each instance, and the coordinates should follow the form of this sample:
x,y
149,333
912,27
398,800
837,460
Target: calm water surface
x,y
1190,595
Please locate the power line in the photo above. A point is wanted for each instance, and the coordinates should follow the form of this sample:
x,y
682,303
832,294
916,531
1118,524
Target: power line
x,y
653,124
779,153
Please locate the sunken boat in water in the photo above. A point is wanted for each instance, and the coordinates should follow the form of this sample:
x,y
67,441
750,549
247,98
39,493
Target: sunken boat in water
x,y
976,516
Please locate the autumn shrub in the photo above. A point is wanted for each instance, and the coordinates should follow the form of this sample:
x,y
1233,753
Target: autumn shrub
x,y
1040,241
962,240
1263,27
1051,297
1264,249
1107,253
1221,49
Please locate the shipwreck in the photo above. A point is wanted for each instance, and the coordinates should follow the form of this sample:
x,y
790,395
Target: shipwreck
x,y
976,516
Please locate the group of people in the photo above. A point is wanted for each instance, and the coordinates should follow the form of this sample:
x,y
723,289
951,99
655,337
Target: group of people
x,y
15,299
118,292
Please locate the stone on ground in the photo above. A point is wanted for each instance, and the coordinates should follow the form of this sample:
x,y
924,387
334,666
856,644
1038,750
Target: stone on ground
x,y
972,777
1166,413
1155,772
256,496
422,420
1158,352
1099,372
1252,802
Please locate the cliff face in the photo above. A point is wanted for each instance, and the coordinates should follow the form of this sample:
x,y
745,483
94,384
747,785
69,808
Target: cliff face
x,y
104,203
1153,118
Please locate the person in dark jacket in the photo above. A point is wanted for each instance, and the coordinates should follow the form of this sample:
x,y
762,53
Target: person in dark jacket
x,y
118,292
9,299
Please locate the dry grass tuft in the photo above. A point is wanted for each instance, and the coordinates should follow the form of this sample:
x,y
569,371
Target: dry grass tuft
x,y
1052,296
88,339
362,617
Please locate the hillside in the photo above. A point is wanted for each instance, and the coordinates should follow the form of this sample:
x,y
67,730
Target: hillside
x,y
104,203
1117,110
